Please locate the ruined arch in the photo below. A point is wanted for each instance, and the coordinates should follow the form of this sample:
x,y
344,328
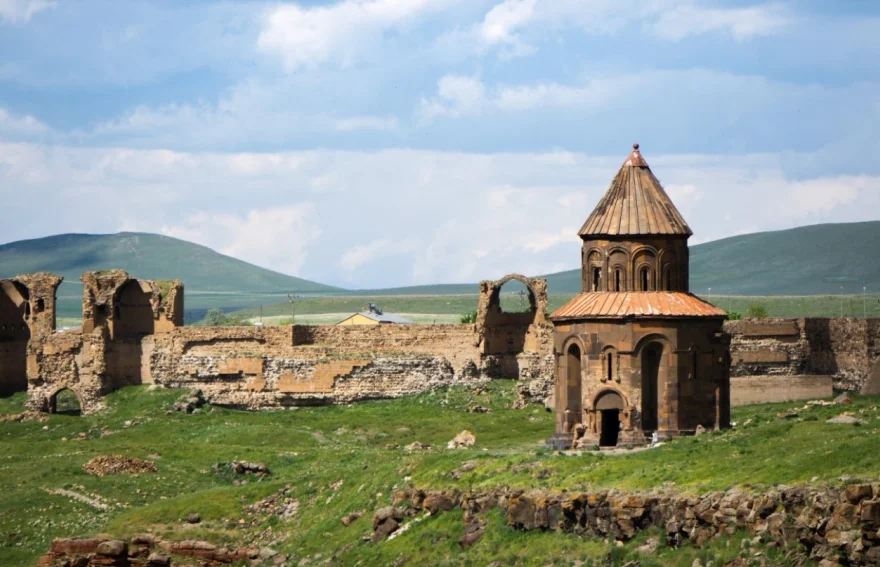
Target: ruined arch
x,y
15,333
133,315
66,406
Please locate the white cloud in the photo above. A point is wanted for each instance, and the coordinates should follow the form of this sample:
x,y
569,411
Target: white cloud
x,y
21,11
421,216
688,19
277,238
18,125
342,32
456,96
382,123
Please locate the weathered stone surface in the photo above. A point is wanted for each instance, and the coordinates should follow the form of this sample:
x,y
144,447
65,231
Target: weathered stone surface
x,y
828,522
463,439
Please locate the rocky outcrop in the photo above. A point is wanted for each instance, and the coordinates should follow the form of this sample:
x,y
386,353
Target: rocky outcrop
x,y
829,523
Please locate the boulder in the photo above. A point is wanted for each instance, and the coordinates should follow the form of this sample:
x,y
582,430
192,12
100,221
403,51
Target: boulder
x,y
112,547
463,439
843,399
845,419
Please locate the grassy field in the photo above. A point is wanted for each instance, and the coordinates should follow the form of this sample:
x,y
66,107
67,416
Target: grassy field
x,y
338,460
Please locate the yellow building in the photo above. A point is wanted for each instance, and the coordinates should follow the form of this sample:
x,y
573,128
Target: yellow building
x,y
374,316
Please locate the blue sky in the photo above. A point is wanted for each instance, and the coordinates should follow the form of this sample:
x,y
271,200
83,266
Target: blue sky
x,y
370,143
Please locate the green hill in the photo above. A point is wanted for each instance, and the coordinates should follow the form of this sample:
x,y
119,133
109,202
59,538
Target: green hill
x,y
211,279
808,260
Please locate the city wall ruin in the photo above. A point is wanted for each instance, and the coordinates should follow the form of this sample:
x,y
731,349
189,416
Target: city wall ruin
x,y
133,333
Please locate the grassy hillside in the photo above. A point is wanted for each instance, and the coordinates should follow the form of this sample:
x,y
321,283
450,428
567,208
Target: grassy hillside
x,y
808,260
211,279
149,256
342,459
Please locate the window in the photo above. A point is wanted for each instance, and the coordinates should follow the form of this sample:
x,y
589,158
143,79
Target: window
x,y
667,280
610,364
695,362
617,278
645,275
597,277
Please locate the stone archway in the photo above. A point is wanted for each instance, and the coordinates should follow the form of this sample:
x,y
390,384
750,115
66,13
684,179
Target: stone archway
x,y
65,401
608,406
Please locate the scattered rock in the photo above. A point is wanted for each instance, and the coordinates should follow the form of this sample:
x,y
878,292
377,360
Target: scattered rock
x,y
113,548
699,431
843,399
158,560
281,505
242,467
845,419
25,416
190,402
385,522
464,468
349,519
193,518
118,464
416,446
472,534
463,439
479,409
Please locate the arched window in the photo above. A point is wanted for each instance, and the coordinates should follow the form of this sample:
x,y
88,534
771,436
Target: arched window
x,y
597,278
609,364
645,277
667,279
618,279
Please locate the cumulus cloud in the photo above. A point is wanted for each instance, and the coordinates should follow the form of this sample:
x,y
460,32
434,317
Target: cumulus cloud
x,y
456,96
21,11
686,19
309,37
422,216
278,238
20,125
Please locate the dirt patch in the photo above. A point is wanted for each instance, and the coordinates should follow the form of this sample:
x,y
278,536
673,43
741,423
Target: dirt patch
x,y
118,464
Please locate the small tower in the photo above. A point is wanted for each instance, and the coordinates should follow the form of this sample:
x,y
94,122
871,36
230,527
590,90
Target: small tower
x,y
635,239
637,356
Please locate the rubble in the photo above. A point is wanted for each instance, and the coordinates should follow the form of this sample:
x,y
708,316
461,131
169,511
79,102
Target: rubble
x,y
463,439
118,464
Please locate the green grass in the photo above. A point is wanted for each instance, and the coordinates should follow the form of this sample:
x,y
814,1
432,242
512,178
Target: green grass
x,y
311,449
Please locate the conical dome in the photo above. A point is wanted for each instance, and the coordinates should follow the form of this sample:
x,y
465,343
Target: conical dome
x,y
635,204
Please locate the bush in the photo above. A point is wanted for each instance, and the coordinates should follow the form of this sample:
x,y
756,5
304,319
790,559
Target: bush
x,y
734,315
756,311
217,318
470,317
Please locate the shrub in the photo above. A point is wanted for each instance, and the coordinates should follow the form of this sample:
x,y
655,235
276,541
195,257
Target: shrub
x,y
734,315
756,311
217,318
470,317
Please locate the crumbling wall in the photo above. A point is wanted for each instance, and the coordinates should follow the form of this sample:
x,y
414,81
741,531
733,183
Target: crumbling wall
x,y
844,348
27,315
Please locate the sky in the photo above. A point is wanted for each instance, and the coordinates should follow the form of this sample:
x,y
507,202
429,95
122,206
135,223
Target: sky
x,y
378,143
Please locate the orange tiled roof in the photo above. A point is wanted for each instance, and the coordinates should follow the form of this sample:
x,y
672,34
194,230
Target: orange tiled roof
x,y
635,204
605,305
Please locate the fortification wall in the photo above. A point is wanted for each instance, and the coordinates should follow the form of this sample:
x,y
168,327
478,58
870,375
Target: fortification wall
x,y
844,348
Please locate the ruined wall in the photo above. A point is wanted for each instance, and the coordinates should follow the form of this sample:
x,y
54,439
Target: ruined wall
x,y
27,311
844,348
745,390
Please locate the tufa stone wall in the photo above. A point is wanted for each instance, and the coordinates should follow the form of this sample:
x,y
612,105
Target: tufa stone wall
x,y
844,348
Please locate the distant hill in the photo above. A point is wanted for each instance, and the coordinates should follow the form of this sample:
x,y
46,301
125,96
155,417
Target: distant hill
x,y
808,260
210,278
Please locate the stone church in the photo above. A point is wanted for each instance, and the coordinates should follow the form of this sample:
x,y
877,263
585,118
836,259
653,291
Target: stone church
x,y
638,357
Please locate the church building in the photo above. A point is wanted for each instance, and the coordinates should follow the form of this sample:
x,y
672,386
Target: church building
x,y
638,357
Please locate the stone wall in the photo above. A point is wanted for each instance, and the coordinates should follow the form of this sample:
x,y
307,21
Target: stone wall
x,y
745,390
844,348
827,523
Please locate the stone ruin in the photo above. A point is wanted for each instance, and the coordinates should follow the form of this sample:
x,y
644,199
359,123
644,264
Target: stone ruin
x,y
132,333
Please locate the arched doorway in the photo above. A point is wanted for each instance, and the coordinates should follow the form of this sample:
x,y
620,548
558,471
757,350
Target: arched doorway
x,y
14,337
573,384
65,402
609,405
651,357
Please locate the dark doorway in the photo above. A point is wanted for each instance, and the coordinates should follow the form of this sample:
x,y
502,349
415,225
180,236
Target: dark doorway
x,y
652,354
65,402
610,427
573,381
609,405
